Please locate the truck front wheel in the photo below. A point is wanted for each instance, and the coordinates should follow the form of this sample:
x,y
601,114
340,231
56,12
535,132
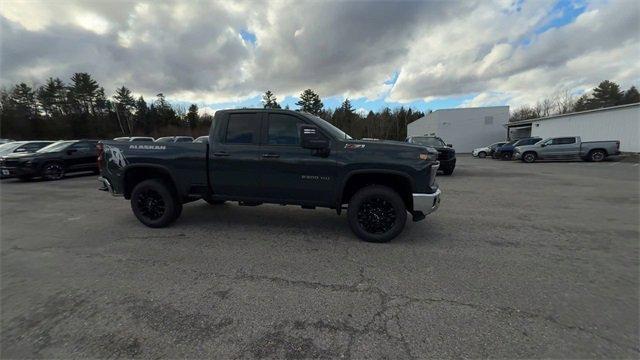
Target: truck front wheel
x,y
154,203
376,214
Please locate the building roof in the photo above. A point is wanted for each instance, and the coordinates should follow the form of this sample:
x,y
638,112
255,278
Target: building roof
x,y
530,121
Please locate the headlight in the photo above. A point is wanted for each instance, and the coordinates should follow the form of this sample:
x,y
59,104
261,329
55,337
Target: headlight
x,y
424,156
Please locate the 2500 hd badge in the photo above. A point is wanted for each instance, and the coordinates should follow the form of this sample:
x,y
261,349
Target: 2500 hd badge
x,y
257,156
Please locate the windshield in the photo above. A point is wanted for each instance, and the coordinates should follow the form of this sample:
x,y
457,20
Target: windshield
x,y
326,126
56,146
428,141
8,148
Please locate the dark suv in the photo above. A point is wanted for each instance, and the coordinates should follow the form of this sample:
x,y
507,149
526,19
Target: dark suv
x,y
52,162
446,153
505,152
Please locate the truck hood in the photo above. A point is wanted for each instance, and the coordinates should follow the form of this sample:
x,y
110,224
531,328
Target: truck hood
x,y
391,144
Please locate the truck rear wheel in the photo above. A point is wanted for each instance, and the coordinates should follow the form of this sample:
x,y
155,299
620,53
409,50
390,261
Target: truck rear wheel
x,y
154,203
596,155
376,214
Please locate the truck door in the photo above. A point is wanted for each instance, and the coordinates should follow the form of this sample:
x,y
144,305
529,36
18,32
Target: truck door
x,y
234,160
291,173
563,148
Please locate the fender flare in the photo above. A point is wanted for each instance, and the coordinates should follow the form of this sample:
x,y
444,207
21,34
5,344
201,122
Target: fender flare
x,y
350,174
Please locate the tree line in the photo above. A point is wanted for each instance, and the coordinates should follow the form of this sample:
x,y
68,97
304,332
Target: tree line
x,y
606,94
81,109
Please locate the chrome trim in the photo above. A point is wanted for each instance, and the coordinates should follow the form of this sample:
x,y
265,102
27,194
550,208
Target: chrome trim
x,y
426,203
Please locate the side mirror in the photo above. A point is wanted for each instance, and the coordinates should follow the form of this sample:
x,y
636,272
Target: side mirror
x,y
311,138
450,145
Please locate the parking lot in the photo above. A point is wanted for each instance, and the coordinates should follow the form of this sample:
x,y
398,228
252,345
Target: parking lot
x,y
521,260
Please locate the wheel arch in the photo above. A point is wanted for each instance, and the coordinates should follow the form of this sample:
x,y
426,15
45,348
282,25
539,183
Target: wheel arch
x,y
357,179
135,174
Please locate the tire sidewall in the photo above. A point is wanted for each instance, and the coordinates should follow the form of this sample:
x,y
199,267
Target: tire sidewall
x,y
172,206
387,194
482,154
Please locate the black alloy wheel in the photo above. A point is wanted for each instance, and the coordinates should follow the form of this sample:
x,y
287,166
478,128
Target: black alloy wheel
x,y
155,203
376,213
151,204
53,171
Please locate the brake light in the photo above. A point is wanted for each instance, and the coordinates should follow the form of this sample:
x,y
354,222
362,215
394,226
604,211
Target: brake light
x,y
100,151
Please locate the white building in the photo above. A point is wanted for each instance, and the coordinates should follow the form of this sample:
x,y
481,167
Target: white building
x,y
464,128
612,123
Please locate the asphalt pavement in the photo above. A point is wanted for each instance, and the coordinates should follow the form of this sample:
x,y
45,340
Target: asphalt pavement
x,y
520,261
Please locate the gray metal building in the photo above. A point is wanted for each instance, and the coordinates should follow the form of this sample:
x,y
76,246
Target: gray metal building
x,y
465,128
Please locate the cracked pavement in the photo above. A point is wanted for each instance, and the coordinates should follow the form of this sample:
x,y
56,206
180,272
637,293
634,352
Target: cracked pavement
x,y
520,261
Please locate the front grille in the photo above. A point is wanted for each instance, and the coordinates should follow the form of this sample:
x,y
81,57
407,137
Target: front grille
x,y
10,163
443,155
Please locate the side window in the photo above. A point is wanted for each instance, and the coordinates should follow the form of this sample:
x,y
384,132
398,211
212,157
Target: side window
x,y
242,128
81,146
283,130
567,140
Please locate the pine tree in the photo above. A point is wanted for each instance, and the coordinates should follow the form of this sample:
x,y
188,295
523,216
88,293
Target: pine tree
x,y
606,94
124,104
192,116
84,91
269,100
310,102
631,96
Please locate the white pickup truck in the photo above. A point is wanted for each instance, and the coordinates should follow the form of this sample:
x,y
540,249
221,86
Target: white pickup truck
x,y
567,148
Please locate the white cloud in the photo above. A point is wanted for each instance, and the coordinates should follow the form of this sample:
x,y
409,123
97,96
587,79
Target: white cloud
x,y
439,49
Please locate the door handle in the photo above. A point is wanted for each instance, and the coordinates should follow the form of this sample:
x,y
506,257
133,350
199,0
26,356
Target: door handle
x,y
221,153
270,156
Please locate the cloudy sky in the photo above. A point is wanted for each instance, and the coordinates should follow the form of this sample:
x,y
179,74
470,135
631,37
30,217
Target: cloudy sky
x,y
427,55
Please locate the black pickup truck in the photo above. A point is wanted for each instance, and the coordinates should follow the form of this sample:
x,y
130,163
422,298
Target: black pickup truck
x,y
257,156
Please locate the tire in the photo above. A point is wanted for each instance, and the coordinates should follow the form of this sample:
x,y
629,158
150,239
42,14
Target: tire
x,y
597,155
482,154
211,201
529,157
52,171
155,204
507,156
376,214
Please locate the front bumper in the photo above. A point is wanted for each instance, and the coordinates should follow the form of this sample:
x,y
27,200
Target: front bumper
x,y
425,204
517,155
9,172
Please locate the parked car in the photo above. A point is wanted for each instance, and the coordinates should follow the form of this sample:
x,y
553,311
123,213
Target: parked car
x,y
257,156
202,139
446,153
567,148
23,146
142,138
20,147
505,152
487,150
52,162
174,139
4,141
122,138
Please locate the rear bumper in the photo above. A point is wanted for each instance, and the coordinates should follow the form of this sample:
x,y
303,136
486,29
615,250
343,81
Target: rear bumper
x,y
106,186
425,204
